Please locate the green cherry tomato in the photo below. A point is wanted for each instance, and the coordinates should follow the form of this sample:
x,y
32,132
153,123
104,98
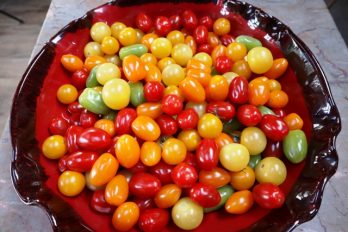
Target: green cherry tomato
x,y
254,139
92,78
92,100
265,110
295,146
187,214
225,192
254,160
234,157
272,170
137,93
135,49
248,41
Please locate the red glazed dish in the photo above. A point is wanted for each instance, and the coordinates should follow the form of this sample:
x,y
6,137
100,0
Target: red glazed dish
x,y
35,104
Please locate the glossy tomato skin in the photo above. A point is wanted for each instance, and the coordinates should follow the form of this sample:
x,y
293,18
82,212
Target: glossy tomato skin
x,y
226,39
123,121
207,22
187,119
145,204
153,220
274,127
58,126
273,149
207,154
205,195
144,185
207,48
71,137
268,195
192,160
172,104
88,119
99,204
94,139
167,124
216,177
175,21
184,175
224,110
189,20
79,78
238,91
162,25
200,34
249,115
153,91
138,167
223,64
144,22
163,172
81,161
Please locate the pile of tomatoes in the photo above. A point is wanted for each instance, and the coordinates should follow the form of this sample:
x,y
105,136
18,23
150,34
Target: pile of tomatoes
x,y
174,117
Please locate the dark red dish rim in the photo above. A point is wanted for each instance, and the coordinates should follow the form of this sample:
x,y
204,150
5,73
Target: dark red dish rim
x,y
34,177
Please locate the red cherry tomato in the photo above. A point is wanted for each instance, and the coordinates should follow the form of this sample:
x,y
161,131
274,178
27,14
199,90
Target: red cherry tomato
x,y
75,107
99,204
268,195
58,126
81,161
238,90
226,39
71,136
207,154
78,79
62,163
223,64
274,127
123,121
205,195
88,119
189,20
207,48
249,115
144,185
172,104
74,119
175,21
163,172
138,167
145,204
224,110
94,139
279,112
162,26
207,22
153,220
184,175
187,119
153,91
144,22
273,149
167,124
200,34
191,159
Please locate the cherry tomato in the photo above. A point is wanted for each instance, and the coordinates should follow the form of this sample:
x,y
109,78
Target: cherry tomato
x,y
172,104
279,112
81,161
163,172
260,60
99,30
94,139
144,204
239,202
243,179
268,196
173,151
153,220
224,110
161,48
184,175
205,195
277,99
207,22
150,109
71,137
75,107
219,50
106,125
206,48
103,170
138,167
200,34
209,126
218,88
88,119
236,51
67,94
59,126
144,185
200,75
162,25
221,26
127,151
127,36
124,119
293,121
187,214
146,128
133,68
148,39
234,157
110,45
190,138
274,127
226,39
175,21
187,119
167,124
253,139
216,177
71,183
99,204
223,64
116,93
249,115
278,68
167,196
54,147
153,91
258,92
78,79
71,62
207,154
191,160
116,191
189,20
144,22
150,153
125,216
238,90
176,37
271,170
223,139
241,67
213,41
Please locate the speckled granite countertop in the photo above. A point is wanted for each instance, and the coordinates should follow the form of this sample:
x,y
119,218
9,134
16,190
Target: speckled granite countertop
x,y
310,20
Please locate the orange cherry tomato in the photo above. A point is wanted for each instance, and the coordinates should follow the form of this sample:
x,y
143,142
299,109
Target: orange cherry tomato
x,y
199,75
274,85
243,179
167,196
192,90
196,64
219,50
216,177
218,88
213,39
148,58
173,151
190,138
106,125
133,68
148,39
293,121
241,67
125,216
278,68
239,202
190,41
150,153
258,92
127,151
172,89
103,170
223,139
278,99
209,126
153,73
71,63
236,51
116,191
92,61
146,128
150,109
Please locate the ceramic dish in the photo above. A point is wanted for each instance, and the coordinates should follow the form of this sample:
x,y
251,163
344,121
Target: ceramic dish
x,y
34,105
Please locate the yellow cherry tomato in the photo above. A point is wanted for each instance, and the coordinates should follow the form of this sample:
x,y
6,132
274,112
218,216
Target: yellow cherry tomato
x,y
239,202
187,214
209,126
164,62
93,49
236,51
106,72
176,37
106,125
116,28
99,31
161,47
150,153
148,58
127,36
116,94
272,170
146,128
173,151
103,170
182,53
116,191
243,179
110,45
260,59
234,157
173,74
71,63
127,151
167,196
221,26
204,58
71,183
274,85
190,138
67,94
125,216
254,140
54,147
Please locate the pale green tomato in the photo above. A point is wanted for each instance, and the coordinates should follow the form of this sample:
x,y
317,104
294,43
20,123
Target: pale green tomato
x,y
106,72
254,140
173,74
187,214
93,49
116,94
204,58
234,157
99,30
182,53
271,170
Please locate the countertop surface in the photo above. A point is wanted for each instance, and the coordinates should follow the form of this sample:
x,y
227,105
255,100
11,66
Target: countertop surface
x,y
310,20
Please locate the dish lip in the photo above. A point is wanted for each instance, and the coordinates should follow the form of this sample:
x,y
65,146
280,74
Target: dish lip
x,y
50,46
